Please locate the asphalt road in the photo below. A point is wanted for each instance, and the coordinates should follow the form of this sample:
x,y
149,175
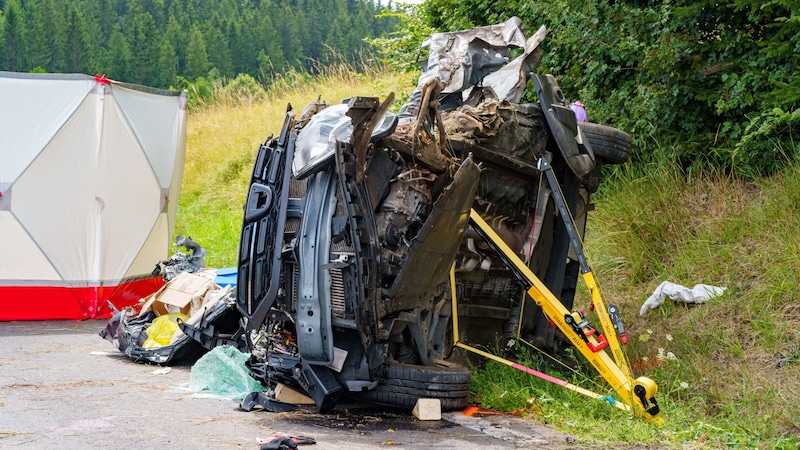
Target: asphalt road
x,y
62,386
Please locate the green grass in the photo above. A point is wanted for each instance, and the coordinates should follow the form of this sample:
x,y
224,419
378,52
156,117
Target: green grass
x,y
722,389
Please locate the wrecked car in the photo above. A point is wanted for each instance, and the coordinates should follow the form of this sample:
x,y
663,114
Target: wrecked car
x,y
356,215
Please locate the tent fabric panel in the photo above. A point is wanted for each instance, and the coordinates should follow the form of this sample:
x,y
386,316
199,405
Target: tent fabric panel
x,y
46,302
74,303
177,174
126,294
131,197
24,131
156,121
153,250
91,182
20,257
55,199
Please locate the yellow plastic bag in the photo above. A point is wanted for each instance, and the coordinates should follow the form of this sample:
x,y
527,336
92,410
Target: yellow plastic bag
x,y
160,332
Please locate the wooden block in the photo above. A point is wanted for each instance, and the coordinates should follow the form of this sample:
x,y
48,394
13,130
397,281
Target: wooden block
x,y
428,409
286,394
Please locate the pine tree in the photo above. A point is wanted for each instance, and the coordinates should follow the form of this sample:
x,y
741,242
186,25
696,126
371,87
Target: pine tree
x,y
78,56
13,51
176,36
287,30
219,53
167,65
145,46
196,55
119,57
40,52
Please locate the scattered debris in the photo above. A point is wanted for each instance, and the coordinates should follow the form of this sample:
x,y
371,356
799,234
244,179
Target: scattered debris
x,y
282,442
162,371
428,409
579,110
791,357
182,262
104,353
203,314
698,294
254,399
284,393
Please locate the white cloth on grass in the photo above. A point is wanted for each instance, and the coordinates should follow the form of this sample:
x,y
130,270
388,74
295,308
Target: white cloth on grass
x,y
698,294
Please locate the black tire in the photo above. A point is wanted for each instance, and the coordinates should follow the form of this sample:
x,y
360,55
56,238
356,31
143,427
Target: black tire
x,y
407,401
443,372
608,143
402,385
460,392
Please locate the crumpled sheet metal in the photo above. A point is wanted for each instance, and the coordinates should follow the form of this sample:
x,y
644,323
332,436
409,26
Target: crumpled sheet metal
x,y
508,83
698,294
464,59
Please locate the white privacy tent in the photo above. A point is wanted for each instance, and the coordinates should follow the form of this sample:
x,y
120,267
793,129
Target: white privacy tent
x,y
90,173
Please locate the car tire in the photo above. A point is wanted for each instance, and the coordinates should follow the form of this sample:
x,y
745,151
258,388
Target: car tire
x,y
401,385
608,143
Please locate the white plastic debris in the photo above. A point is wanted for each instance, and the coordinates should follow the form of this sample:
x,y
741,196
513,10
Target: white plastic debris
x,y
698,294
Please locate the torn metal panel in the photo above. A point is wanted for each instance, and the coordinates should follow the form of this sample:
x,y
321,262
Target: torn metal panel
x,y
463,60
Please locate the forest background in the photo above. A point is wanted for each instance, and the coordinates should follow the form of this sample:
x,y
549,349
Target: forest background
x,y
185,44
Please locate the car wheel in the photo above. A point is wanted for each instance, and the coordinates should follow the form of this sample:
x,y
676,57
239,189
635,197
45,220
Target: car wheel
x,y
608,143
401,385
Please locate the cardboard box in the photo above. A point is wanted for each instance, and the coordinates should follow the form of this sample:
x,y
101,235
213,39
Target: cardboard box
x,y
184,293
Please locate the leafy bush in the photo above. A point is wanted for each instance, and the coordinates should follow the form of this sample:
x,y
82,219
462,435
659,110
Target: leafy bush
x,y
401,49
242,89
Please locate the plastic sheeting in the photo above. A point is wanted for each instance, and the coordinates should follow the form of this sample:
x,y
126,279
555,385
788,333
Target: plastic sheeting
x,y
222,373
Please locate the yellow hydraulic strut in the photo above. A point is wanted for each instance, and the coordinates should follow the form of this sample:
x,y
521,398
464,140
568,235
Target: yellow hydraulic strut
x,y
638,394
604,314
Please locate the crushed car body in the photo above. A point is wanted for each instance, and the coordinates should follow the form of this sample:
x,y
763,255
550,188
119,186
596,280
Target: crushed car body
x,y
355,217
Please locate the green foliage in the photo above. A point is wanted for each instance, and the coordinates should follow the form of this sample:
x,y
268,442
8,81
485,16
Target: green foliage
x,y
242,89
201,91
14,38
704,73
401,49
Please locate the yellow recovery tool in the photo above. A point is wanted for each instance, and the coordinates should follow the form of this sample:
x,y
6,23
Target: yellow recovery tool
x,y
637,395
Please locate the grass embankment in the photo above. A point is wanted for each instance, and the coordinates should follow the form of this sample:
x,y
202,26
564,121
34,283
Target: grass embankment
x,y
716,364
722,381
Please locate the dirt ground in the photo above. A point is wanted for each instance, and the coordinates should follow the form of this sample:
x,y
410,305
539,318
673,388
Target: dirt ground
x,y
62,386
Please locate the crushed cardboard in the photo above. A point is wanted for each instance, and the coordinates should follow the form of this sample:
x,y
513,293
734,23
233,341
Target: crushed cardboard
x,y
184,293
